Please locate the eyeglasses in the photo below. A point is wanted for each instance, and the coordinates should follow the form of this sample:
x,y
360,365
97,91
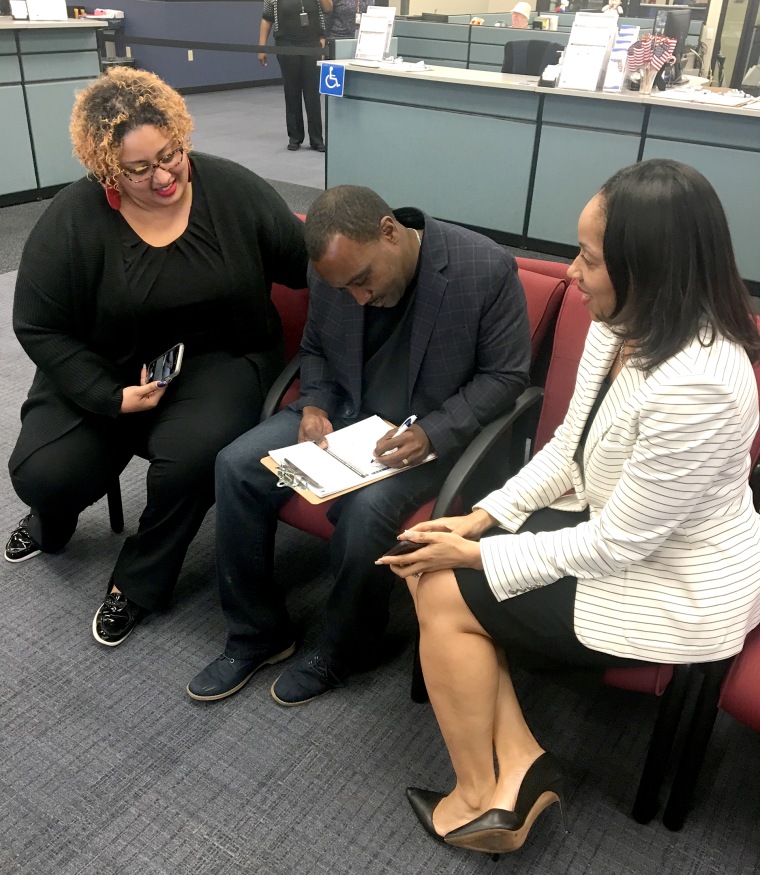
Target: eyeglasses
x,y
145,171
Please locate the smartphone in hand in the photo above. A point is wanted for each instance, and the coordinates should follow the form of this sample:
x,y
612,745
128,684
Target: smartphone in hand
x,y
403,547
167,365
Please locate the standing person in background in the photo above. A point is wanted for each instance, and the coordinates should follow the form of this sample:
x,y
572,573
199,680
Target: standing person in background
x,y
298,23
344,21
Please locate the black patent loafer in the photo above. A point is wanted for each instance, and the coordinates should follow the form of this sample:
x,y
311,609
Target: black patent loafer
x,y
226,674
115,619
21,545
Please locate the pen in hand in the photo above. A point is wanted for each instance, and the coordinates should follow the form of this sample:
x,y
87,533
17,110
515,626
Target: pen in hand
x,y
407,423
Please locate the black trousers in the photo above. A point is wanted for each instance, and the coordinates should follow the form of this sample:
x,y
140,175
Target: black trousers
x,y
300,79
216,398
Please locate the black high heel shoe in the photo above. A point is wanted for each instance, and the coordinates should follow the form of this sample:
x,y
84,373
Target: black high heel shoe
x,y
498,831
423,804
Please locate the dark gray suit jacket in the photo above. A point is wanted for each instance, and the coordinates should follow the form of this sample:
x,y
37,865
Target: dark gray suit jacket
x,y
470,346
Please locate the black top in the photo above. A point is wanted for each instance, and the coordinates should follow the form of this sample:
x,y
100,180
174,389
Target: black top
x,y
286,17
387,338
601,395
76,318
192,264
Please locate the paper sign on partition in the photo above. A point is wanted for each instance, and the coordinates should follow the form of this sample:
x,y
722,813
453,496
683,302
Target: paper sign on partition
x,y
588,51
375,33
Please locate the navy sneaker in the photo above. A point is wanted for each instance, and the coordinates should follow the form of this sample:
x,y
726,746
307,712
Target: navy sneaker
x,y
115,619
21,545
310,677
226,674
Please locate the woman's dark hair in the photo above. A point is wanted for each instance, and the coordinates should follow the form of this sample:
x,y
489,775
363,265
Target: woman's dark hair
x,y
668,252
351,210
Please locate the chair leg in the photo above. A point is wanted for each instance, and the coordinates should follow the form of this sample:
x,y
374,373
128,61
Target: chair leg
x,y
115,508
695,745
419,690
660,745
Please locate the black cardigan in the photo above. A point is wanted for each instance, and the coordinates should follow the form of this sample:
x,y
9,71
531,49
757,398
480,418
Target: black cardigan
x,y
74,316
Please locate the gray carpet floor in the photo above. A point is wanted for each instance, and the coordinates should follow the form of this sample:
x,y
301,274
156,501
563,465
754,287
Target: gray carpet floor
x,y
108,768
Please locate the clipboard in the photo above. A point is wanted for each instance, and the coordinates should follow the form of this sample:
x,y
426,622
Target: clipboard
x,y
342,467
269,463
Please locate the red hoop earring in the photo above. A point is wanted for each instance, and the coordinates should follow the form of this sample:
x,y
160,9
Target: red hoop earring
x,y
189,169
113,196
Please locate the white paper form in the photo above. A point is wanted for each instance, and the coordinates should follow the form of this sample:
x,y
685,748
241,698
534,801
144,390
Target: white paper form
x,y
588,51
375,33
348,463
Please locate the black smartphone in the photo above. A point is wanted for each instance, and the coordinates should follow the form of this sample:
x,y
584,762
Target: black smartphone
x,y
404,547
167,365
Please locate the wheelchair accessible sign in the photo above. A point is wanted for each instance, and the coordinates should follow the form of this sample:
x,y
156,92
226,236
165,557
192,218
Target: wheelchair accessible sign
x,y
331,79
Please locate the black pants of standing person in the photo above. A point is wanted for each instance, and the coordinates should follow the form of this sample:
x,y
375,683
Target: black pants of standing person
x,y
300,79
215,398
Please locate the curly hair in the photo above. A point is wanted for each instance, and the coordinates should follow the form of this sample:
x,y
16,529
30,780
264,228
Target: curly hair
x,y
115,104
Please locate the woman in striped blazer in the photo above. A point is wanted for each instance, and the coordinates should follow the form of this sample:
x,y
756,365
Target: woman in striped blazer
x,y
635,539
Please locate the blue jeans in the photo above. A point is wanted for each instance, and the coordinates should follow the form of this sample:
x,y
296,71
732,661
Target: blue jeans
x,y
366,524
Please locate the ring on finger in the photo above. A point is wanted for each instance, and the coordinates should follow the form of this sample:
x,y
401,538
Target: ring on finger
x,y
405,462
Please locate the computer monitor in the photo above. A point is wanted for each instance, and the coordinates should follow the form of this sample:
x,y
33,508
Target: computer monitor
x,y
674,23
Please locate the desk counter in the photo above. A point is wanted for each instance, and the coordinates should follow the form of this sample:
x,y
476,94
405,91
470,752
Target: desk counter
x,y
42,65
495,151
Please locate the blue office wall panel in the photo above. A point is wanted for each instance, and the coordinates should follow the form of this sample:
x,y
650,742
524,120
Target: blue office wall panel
x,y
572,166
7,43
208,69
590,112
486,54
16,174
735,175
218,22
58,40
432,49
49,112
474,100
64,65
431,30
704,126
9,70
437,173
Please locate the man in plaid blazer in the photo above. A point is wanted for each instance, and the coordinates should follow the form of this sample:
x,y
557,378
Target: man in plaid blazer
x,y
407,315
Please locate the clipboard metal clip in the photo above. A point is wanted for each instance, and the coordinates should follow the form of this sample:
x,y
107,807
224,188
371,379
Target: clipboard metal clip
x,y
293,477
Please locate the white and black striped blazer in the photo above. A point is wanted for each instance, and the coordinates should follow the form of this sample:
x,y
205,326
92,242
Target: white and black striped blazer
x,y
668,565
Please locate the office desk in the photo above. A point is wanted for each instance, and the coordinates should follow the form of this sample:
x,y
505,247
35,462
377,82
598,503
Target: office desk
x,y
497,152
42,65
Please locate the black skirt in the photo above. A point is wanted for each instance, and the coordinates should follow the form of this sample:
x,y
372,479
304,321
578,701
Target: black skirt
x,y
536,626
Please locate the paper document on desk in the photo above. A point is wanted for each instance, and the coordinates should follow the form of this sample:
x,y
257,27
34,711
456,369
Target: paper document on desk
x,y
346,464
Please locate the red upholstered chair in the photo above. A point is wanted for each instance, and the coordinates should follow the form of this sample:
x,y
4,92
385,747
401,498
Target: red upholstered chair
x,y
557,269
736,692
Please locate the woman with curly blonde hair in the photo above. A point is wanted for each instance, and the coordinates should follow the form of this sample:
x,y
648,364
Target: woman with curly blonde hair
x,y
155,247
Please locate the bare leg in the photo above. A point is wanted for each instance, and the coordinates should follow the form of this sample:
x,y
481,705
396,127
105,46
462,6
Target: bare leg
x,y
516,748
462,677
474,702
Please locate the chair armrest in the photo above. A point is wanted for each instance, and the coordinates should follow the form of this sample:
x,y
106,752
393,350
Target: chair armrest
x,y
468,462
280,386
